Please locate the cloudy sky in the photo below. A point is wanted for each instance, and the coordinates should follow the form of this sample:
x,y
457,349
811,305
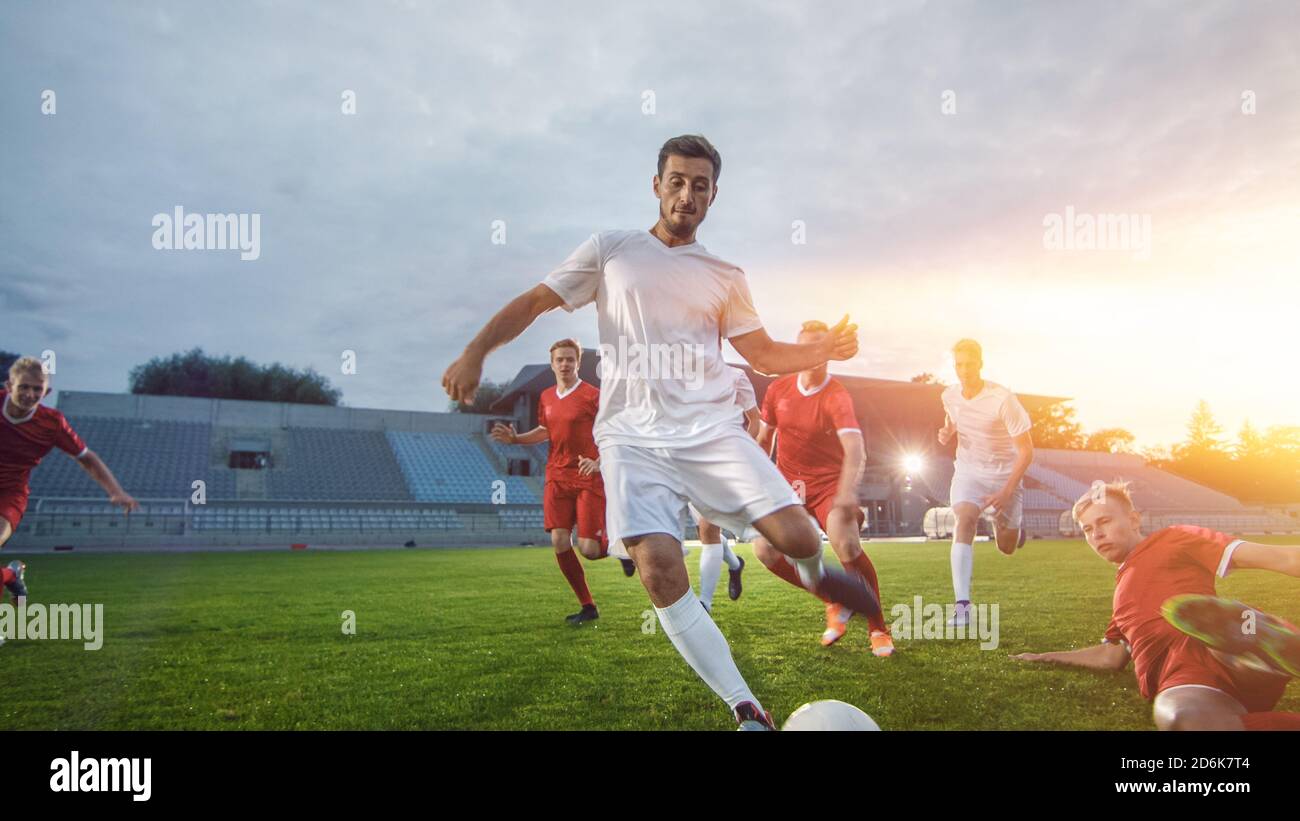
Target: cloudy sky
x,y
923,147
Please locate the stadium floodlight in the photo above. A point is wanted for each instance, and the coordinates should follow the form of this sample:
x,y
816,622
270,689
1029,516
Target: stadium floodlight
x,y
912,463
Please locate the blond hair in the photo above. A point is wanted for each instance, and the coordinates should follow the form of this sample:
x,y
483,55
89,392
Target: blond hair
x,y
567,343
27,365
968,346
1102,492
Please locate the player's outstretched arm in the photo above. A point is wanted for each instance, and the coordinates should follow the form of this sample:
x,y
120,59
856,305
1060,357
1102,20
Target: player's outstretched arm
x,y
767,356
1097,657
765,436
505,434
462,377
1280,558
92,464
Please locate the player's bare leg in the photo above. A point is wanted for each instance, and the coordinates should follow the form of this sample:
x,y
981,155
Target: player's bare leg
x,y
1197,708
962,560
663,574
591,549
562,541
791,532
842,529
6,530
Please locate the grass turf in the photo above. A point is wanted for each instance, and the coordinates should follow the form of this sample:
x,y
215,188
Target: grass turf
x,y
475,639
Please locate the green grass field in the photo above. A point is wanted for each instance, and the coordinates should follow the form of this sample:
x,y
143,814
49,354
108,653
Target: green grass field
x,y
475,639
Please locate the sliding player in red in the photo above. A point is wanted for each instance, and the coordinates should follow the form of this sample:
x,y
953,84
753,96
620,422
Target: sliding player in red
x,y
574,495
1207,663
29,431
820,450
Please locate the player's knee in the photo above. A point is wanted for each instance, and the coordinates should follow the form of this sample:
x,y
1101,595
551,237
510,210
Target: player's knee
x,y
590,548
1171,715
765,553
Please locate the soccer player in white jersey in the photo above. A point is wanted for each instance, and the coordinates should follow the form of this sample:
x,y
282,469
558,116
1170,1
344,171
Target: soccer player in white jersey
x,y
666,428
994,449
715,548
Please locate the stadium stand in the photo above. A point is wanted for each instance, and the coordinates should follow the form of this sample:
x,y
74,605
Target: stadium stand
x,y
151,457
337,465
441,467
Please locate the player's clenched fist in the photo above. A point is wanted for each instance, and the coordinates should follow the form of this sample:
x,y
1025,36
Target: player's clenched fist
x,y
946,432
462,377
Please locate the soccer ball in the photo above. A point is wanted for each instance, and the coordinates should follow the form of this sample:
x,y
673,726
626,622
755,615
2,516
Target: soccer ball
x,y
829,715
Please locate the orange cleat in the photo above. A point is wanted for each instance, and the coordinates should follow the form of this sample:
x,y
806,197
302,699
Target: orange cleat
x,y
882,645
837,623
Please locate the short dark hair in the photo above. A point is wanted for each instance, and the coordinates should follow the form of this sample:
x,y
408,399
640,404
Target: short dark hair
x,y
691,145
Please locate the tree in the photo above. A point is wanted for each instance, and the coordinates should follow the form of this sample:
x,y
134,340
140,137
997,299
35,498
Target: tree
x,y
6,359
1250,446
1054,426
927,378
194,373
1110,440
488,392
1203,433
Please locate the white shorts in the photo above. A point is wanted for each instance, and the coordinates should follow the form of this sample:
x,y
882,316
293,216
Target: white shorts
x,y
974,488
729,481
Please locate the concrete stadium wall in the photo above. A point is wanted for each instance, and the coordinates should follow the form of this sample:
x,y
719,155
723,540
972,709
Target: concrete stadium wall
x,y
234,413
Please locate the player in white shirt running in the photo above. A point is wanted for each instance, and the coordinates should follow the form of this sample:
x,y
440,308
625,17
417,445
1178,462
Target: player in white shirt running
x,y
994,449
666,429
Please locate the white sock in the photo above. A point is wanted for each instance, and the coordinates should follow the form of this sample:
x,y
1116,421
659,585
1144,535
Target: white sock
x,y
962,558
710,572
704,647
810,569
733,561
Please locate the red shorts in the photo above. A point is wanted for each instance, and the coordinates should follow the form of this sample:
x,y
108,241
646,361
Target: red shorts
x,y
820,499
12,508
1189,661
565,505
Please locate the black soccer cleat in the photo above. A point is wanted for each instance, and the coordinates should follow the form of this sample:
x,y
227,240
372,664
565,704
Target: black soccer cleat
x,y
587,613
629,567
734,588
750,718
17,587
848,590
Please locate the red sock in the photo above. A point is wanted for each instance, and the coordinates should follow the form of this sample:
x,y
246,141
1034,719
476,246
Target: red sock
x,y
6,576
572,570
786,571
1271,721
864,568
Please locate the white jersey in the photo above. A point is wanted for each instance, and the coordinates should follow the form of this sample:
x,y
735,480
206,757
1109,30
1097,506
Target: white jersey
x,y
745,398
659,311
986,426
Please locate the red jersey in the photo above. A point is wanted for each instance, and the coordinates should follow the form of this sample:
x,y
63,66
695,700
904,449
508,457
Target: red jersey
x,y
808,426
23,444
1168,563
568,420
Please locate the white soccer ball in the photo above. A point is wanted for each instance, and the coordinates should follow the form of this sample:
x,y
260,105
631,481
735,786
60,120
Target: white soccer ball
x,y
820,716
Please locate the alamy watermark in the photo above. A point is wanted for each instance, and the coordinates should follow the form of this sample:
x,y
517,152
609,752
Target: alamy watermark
x,y
180,231
933,621
74,622
1073,231
675,361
